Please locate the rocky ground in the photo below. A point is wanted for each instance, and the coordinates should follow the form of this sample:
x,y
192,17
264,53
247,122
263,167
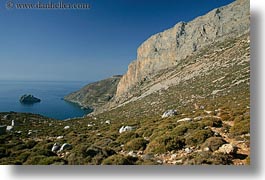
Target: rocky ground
x,y
193,114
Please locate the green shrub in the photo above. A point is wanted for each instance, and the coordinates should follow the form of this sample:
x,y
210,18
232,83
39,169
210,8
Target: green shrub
x,y
212,122
136,144
180,130
198,137
43,152
34,160
201,158
165,143
51,160
240,127
3,152
126,137
23,156
30,144
226,117
116,160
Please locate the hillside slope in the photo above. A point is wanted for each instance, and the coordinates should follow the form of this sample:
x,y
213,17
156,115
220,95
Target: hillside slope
x,y
95,94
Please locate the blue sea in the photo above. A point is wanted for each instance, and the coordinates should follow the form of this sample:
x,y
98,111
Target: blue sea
x,y
51,94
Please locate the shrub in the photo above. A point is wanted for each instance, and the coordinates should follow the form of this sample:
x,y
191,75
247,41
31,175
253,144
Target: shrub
x,y
225,117
165,143
213,143
126,137
180,130
198,137
3,152
23,156
30,144
201,158
43,152
34,160
136,144
51,160
212,122
116,160
240,127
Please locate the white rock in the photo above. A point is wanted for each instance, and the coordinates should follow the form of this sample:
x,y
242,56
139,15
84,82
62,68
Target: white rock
x,y
125,128
173,157
198,118
227,149
65,146
185,120
107,122
89,125
13,123
66,127
55,147
208,112
9,128
133,154
169,113
59,137
206,149
188,150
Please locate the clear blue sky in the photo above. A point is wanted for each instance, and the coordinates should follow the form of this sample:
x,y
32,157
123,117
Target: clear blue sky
x,y
85,45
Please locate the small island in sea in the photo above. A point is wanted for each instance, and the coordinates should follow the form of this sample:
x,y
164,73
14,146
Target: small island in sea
x,y
29,99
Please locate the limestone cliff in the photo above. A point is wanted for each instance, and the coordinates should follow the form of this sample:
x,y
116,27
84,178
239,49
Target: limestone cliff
x,y
168,48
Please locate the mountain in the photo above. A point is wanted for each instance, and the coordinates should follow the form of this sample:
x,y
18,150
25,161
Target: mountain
x,y
184,101
95,94
169,48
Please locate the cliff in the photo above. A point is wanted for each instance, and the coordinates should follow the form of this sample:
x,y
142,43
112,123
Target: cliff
x,y
95,94
167,49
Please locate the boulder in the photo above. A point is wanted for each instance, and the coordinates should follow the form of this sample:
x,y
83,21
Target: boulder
x,y
65,146
227,149
66,127
198,118
9,128
14,123
55,147
125,128
169,113
185,120
29,99
107,122
188,150
59,137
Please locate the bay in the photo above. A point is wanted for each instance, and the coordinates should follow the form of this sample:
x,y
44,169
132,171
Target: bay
x,y
51,94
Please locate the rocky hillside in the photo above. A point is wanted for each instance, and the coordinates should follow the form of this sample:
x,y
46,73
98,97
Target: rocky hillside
x,y
95,94
193,111
169,48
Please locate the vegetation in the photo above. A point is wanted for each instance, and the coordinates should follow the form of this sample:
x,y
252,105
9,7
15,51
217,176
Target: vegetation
x,y
217,118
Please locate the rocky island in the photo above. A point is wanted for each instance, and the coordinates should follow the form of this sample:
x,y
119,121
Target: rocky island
x,y
29,99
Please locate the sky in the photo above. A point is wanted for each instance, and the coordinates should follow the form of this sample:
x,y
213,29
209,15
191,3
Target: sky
x,y
85,45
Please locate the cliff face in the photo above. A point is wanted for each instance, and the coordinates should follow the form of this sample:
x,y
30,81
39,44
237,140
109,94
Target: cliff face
x,y
95,94
167,49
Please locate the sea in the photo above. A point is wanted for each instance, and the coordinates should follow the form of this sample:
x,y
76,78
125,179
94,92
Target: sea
x,y
51,94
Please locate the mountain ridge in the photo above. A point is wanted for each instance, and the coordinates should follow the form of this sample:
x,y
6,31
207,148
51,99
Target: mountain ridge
x,y
166,49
